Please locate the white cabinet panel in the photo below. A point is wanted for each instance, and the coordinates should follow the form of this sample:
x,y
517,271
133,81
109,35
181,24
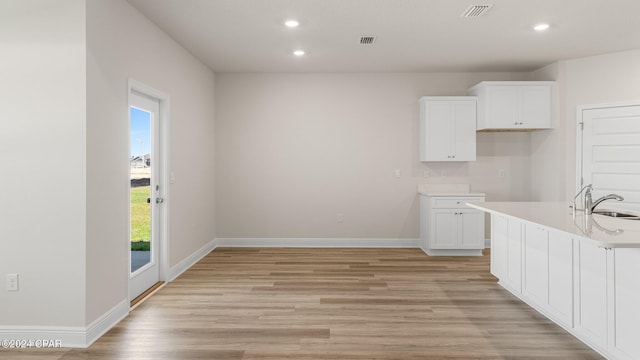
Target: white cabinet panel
x,y
590,306
464,132
499,249
513,105
625,330
561,277
506,251
439,120
514,254
448,128
503,106
536,264
471,227
535,107
445,229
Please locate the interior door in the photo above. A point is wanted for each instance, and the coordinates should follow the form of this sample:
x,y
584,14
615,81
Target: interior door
x,y
145,193
611,152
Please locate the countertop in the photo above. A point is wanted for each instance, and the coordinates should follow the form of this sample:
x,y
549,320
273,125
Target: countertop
x,y
602,230
460,190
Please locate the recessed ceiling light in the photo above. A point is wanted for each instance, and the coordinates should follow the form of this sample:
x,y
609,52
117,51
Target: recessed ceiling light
x,y
541,27
291,23
298,52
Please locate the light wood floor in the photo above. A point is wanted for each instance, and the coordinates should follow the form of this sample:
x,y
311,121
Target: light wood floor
x,y
248,303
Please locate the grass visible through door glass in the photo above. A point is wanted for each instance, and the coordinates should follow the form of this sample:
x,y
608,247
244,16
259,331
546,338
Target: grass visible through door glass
x,y
140,218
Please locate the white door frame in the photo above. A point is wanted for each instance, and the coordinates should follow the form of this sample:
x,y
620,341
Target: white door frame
x,y
579,115
164,128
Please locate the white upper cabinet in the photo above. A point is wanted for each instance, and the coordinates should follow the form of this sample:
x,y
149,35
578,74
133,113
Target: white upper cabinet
x,y
514,105
448,128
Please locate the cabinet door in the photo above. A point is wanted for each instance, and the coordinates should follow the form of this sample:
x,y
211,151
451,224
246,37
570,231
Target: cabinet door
x,y
590,305
444,229
625,304
561,277
514,254
535,107
439,124
471,229
536,264
464,132
503,106
499,250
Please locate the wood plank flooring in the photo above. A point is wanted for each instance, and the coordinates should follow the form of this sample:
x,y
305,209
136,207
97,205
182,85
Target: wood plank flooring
x,y
292,303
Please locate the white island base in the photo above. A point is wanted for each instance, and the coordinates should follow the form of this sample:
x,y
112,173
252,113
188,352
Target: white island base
x,y
581,272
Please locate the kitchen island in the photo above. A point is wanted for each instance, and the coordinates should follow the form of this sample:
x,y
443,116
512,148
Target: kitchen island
x,y
582,272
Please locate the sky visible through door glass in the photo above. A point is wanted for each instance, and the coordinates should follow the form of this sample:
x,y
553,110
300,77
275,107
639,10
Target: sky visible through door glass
x,y
140,131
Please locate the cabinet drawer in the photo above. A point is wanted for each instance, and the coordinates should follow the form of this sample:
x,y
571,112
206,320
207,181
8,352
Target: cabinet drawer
x,y
454,203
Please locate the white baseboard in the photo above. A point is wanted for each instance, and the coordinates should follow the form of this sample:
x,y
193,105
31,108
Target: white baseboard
x,y
105,322
318,242
190,260
460,252
68,336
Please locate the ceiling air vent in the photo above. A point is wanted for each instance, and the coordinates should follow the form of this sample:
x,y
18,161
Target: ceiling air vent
x,y
367,40
475,11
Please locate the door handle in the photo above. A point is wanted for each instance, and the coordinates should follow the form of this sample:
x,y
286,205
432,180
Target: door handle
x,y
159,200
148,200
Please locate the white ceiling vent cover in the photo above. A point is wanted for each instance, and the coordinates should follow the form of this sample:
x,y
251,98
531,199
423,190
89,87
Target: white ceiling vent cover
x,y
475,11
367,39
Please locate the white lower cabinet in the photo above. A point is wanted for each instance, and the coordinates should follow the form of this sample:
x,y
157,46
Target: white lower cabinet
x,y
548,272
506,251
590,306
514,254
536,264
624,304
449,227
561,277
591,291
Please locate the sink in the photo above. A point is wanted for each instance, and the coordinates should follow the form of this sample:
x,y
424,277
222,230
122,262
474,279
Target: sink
x,y
617,214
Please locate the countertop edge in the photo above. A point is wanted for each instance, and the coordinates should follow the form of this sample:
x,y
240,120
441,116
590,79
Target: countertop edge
x,y
603,244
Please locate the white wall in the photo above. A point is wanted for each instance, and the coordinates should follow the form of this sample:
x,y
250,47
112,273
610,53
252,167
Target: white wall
x,y
608,78
122,44
42,142
548,147
293,150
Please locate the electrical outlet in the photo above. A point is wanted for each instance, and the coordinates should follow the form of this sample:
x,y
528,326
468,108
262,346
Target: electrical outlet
x,y
425,173
396,173
340,217
500,173
12,282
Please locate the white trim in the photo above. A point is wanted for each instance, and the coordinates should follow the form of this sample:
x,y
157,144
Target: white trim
x,y
318,242
453,252
487,243
105,322
70,336
190,260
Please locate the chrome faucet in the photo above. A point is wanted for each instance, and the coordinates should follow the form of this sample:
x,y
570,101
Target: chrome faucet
x,y
574,207
590,205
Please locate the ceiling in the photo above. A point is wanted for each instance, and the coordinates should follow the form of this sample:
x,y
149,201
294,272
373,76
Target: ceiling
x,y
412,35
